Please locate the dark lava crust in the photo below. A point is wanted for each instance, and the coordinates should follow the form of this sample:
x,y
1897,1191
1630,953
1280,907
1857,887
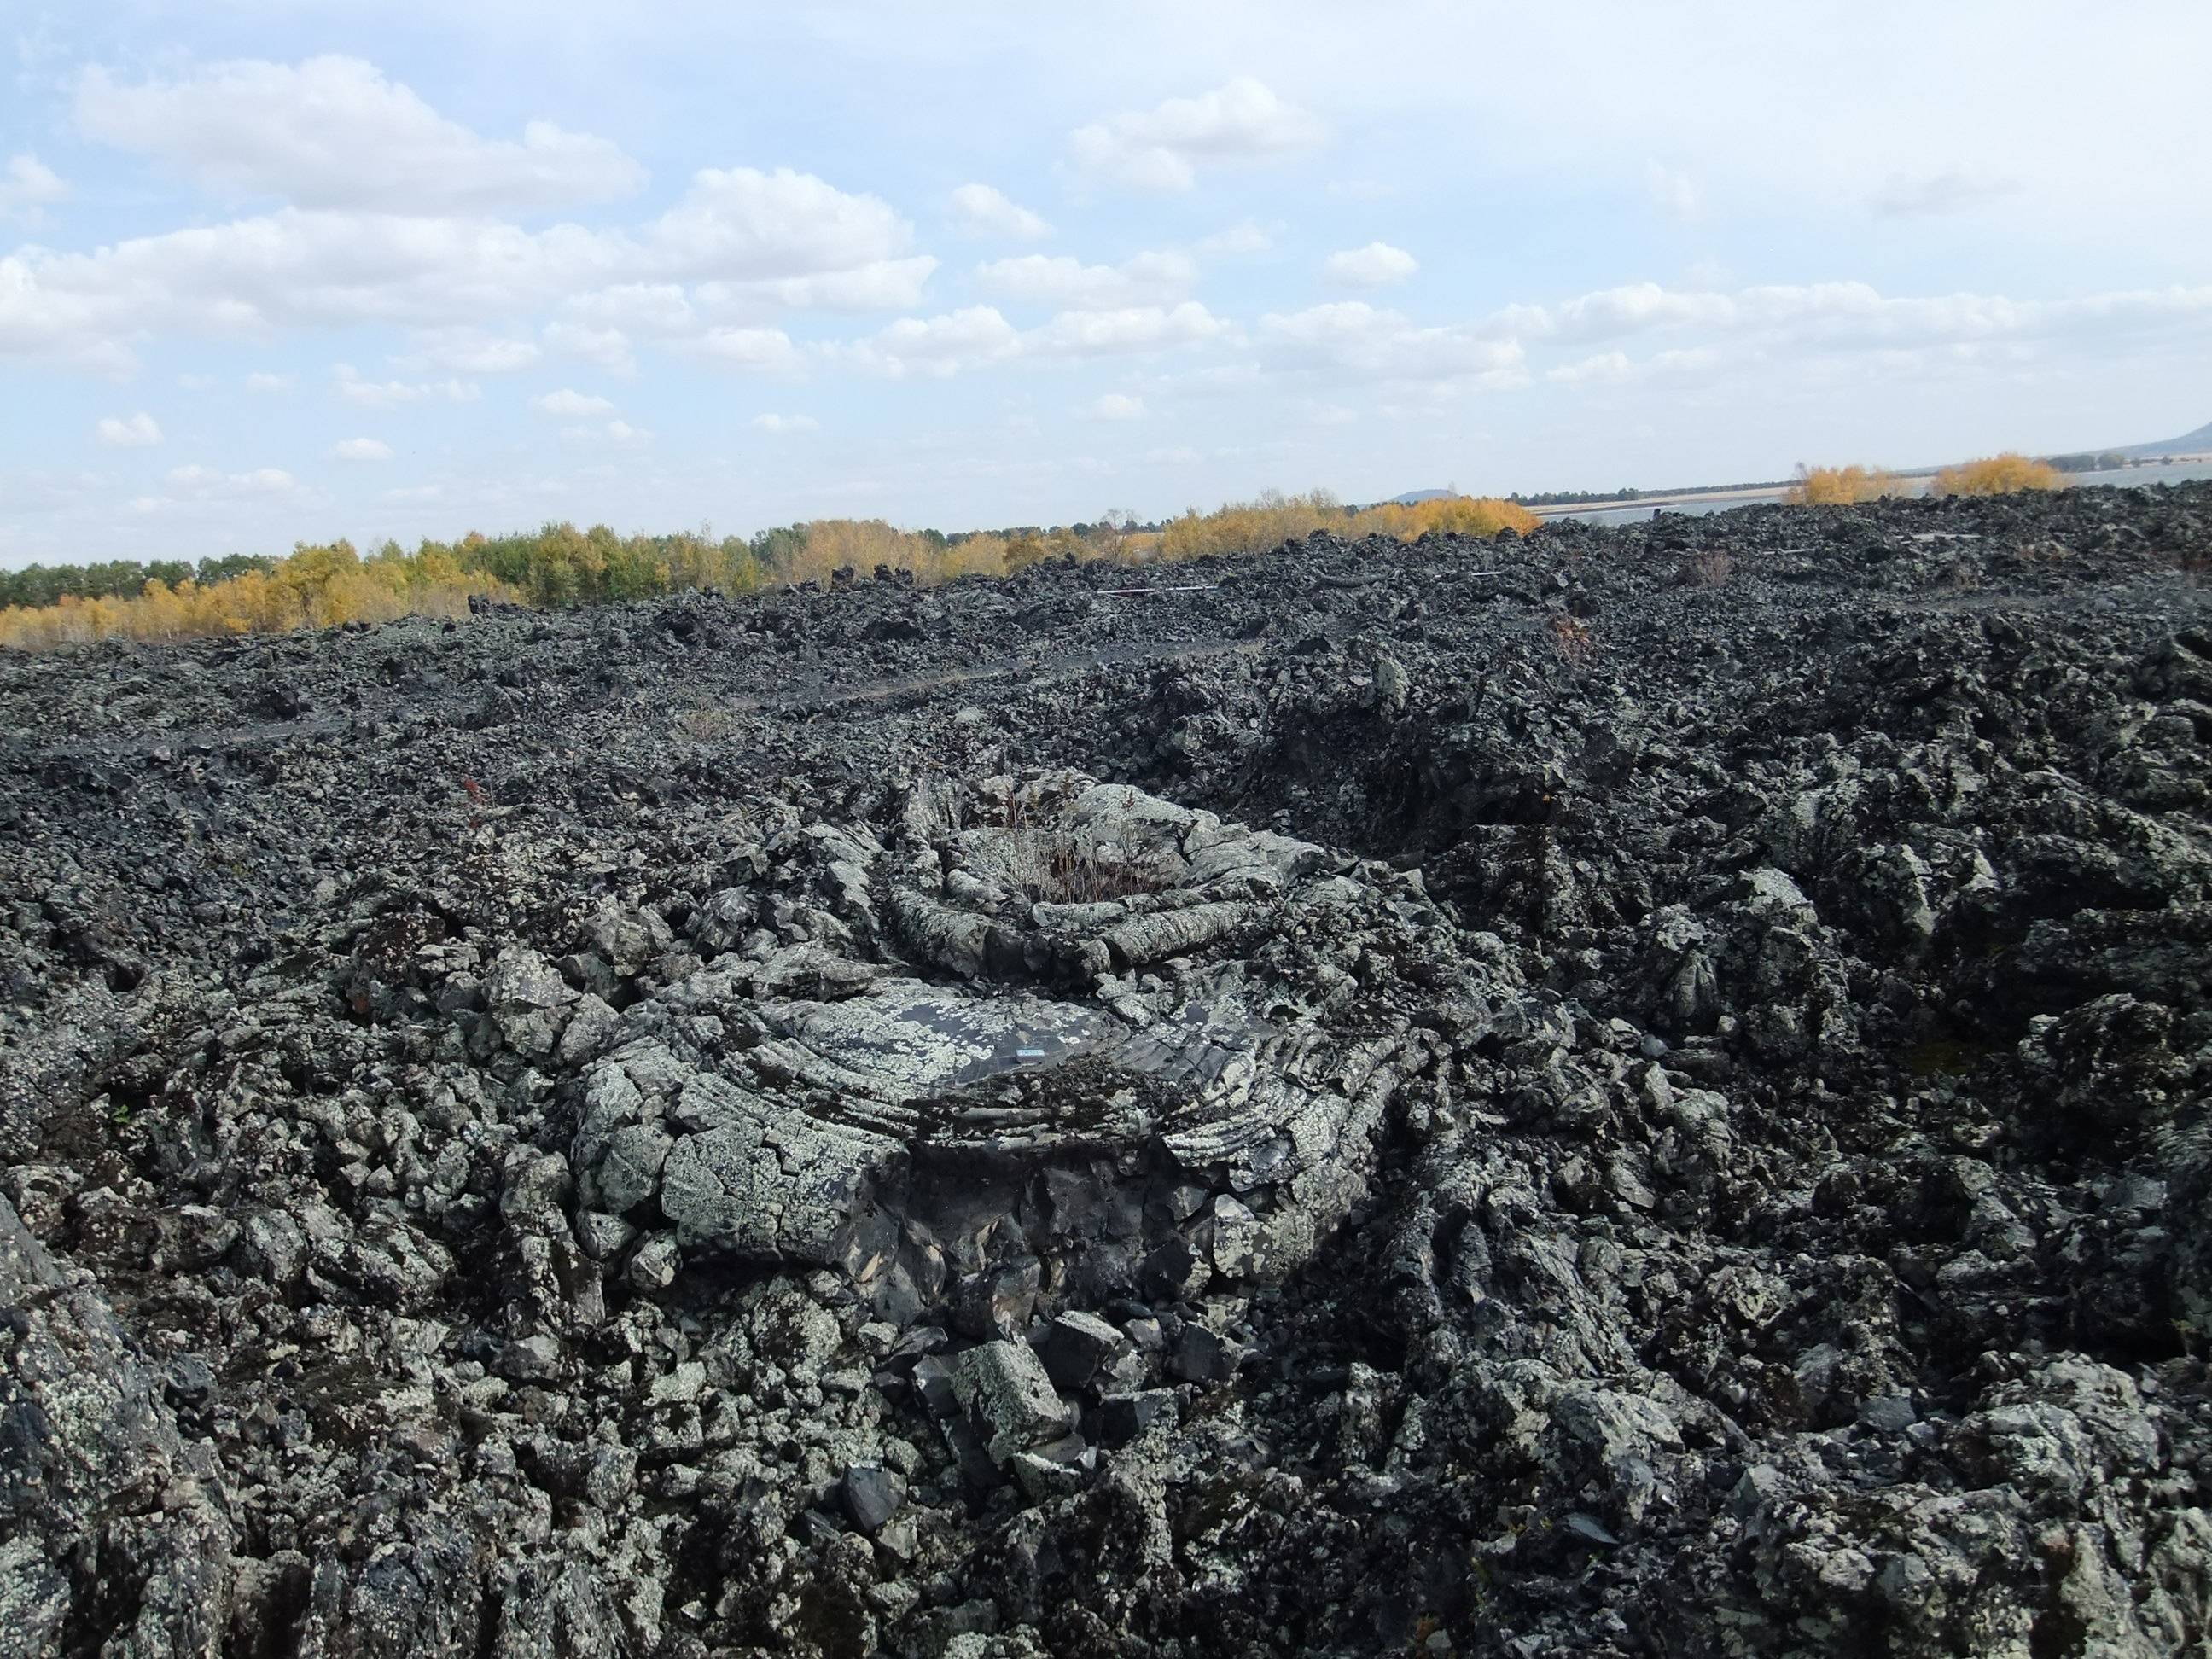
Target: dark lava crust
x,y
1634,1091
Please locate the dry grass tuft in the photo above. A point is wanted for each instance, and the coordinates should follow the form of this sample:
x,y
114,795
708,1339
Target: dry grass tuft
x,y
1053,866
1710,569
1572,638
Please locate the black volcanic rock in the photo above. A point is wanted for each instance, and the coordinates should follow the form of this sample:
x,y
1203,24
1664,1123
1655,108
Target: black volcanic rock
x,y
1653,1100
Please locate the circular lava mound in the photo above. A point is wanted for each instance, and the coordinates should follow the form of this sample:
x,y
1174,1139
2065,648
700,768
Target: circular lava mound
x,y
1048,1025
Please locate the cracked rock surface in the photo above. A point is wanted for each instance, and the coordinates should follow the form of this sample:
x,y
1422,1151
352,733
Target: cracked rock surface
x,y
1554,1096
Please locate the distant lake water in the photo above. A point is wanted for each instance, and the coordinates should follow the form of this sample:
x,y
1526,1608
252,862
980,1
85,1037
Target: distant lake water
x,y
2129,477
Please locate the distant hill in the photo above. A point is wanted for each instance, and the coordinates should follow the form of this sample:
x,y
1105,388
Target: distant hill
x,y
2198,442
1414,497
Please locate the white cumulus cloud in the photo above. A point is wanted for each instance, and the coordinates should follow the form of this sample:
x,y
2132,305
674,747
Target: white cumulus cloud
x,y
26,184
1129,328
774,422
981,210
205,481
879,285
738,223
360,449
133,432
1117,406
386,394
333,132
1072,284
978,335
1163,147
1376,265
469,351
938,346
750,350
1604,368
1246,237
608,348
752,240
570,404
1354,339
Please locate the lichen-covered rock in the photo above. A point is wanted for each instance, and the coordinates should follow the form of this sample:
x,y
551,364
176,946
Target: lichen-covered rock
x,y
1004,1388
114,1534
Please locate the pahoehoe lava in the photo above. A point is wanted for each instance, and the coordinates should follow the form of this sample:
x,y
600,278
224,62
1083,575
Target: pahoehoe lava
x,y
1619,1092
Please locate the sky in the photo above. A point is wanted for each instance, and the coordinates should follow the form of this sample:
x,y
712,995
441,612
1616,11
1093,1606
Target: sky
x,y
273,270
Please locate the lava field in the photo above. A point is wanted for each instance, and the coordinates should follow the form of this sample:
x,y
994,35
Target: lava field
x,y
1626,1091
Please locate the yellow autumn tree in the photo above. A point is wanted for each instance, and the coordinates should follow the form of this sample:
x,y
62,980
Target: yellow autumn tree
x,y
1450,515
1273,518
1997,474
1839,486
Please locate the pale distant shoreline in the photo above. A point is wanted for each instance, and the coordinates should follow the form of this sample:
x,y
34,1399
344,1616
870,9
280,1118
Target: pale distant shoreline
x,y
1761,493
1746,494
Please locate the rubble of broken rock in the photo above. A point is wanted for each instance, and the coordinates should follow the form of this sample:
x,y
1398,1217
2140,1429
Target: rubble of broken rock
x,y
1626,1091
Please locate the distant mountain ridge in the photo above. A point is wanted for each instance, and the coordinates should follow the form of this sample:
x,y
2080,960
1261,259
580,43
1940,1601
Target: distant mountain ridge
x,y
2198,442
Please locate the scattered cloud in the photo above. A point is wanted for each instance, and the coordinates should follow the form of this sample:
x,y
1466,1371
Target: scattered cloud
x,y
980,210
360,449
1353,339
207,481
1117,406
1071,284
751,350
1605,367
607,434
1618,368
1853,314
1672,191
1237,242
268,383
654,308
1376,265
570,404
1936,194
27,185
137,431
740,224
468,351
979,335
608,348
386,394
333,132
1164,148
936,346
751,239
1130,328
772,422
209,491
880,285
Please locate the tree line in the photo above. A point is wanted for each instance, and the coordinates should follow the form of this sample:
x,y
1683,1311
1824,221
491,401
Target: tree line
x,y
328,584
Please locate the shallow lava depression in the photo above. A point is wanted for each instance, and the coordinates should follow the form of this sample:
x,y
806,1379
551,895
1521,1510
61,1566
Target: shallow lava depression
x,y
1635,1091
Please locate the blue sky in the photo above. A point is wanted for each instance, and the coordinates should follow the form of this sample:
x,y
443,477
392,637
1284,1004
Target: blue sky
x,y
272,271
